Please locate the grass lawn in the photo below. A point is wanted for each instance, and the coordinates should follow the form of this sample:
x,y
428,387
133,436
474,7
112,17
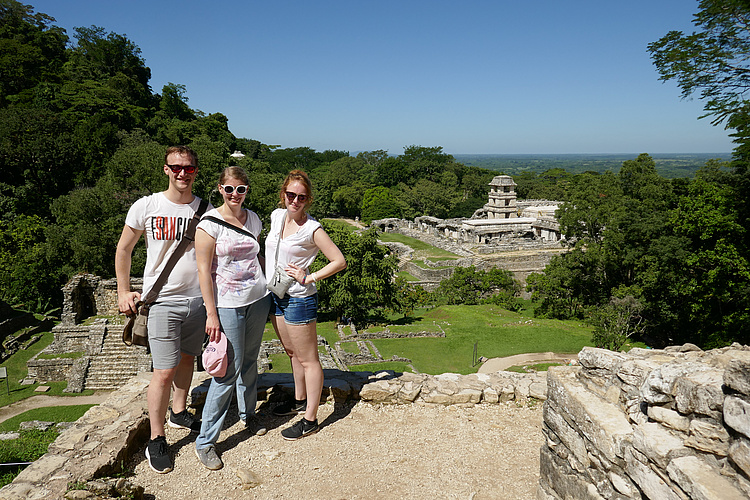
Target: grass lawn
x,y
498,333
396,366
17,371
46,414
431,252
421,263
539,367
33,443
406,276
341,224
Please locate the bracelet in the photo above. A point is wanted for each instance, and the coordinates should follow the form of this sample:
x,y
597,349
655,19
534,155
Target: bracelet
x,y
304,278
313,277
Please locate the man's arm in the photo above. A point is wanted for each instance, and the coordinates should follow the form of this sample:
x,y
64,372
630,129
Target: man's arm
x,y
123,256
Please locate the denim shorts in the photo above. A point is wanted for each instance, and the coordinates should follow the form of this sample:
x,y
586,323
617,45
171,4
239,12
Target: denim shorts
x,y
297,310
175,327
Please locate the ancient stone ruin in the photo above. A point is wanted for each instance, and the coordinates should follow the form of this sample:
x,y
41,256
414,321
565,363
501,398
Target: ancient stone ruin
x,y
521,236
648,424
87,350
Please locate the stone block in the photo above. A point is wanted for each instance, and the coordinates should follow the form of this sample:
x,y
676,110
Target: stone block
x,y
652,485
558,476
670,418
700,392
737,375
566,434
706,435
702,482
658,444
603,359
737,414
600,422
409,392
379,391
658,386
739,453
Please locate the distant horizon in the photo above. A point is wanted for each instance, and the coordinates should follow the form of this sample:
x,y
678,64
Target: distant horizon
x,y
727,153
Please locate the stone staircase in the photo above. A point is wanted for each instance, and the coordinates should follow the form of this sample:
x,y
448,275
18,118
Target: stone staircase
x,y
116,363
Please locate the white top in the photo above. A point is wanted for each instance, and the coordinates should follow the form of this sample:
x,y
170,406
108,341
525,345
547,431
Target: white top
x,y
164,223
236,272
298,248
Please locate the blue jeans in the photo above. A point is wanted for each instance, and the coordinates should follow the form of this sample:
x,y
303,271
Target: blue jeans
x,y
243,327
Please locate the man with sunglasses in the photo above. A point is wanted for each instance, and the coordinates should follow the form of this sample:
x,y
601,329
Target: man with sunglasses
x,y
176,321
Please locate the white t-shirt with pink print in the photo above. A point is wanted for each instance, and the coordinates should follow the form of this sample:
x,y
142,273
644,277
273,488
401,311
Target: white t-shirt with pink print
x,y
237,273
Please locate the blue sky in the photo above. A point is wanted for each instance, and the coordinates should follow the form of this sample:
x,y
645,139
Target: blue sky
x,y
506,77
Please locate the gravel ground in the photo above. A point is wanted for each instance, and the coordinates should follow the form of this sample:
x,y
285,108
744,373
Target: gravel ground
x,y
365,451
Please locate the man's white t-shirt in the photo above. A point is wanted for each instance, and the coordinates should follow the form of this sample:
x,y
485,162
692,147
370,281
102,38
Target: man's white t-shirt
x,y
164,223
237,275
298,248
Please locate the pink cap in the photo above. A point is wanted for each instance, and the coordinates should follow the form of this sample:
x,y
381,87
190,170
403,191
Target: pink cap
x,y
215,357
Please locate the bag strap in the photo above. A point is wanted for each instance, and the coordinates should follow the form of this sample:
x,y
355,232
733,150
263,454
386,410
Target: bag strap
x,y
278,243
230,226
187,238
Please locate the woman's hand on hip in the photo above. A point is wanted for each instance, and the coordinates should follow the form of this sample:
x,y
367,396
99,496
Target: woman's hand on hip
x,y
296,272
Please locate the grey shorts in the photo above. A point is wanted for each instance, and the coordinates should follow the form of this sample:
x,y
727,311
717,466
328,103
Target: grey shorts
x,y
175,327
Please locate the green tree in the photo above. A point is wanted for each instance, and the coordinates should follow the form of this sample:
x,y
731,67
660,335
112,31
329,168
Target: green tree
x,y
713,60
408,297
365,288
377,203
26,277
469,286
32,51
617,321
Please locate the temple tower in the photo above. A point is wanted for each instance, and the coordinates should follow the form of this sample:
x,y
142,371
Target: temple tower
x,y
502,202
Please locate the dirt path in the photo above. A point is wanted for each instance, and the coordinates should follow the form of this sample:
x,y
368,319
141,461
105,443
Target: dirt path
x,y
497,364
365,451
27,404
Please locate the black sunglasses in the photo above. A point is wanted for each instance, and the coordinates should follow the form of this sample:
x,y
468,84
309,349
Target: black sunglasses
x,y
189,169
230,189
291,196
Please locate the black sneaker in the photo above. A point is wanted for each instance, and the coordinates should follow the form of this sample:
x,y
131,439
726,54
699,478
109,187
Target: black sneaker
x,y
157,453
184,420
301,429
255,426
292,407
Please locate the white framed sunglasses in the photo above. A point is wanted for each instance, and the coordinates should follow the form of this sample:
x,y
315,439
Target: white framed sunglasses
x,y
230,189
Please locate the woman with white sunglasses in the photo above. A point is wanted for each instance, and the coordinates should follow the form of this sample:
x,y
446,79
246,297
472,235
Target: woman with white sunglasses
x,y
237,303
294,240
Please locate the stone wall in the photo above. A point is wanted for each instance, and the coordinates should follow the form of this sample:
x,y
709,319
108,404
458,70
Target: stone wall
x,y
649,424
88,295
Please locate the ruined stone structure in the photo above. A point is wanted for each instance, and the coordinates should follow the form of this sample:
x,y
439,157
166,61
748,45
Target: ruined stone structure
x,y
650,424
519,236
91,328
502,202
